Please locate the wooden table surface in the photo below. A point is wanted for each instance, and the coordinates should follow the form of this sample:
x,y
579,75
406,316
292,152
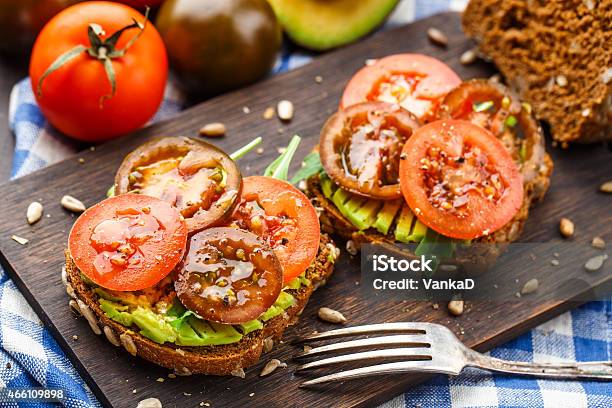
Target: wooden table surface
x,y
12,69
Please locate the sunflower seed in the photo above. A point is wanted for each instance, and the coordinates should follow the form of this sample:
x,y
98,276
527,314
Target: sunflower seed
x,y
19,240
268,113
455,307
110,336
598,243
268,344
72,204
128,343
149,403
285,110
530,286
331,316
468,57
351,247
606,187
561,80
566,227
318,79
34,212
215,129
271,366
595,262
437,37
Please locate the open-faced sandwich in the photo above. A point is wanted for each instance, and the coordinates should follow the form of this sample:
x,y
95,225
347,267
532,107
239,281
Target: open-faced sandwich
x,y
190,265
414,155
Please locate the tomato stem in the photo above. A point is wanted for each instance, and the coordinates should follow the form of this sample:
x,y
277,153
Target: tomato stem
x,y
101,49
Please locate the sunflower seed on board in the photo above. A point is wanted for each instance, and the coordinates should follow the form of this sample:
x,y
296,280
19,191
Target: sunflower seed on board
x,y
331,316
19,240
468,57
285,110
437,37
34,212
150,403
72,204
595,263
566,227
530,286
215,129
606,187
455,307
268,113
598,243
271,366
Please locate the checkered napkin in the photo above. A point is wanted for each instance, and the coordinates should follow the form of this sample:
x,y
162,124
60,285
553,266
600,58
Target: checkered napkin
x,y
30,357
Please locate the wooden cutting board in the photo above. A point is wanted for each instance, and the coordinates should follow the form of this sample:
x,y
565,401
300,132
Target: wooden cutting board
x,y
120,380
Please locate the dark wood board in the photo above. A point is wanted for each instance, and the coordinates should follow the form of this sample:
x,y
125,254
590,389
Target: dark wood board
x,y
113,374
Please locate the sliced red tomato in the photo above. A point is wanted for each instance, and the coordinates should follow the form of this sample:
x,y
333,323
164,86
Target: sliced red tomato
x,y
284,218
128,242
459,179
229,276
416,82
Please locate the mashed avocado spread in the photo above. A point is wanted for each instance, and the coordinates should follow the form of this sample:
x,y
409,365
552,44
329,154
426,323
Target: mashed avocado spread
x,y
173,323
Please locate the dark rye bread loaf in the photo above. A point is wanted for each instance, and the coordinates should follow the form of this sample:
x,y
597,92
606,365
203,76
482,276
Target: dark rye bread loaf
x,y
229,359
556,55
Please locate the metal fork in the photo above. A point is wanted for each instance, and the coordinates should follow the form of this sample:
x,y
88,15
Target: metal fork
x,y
427,348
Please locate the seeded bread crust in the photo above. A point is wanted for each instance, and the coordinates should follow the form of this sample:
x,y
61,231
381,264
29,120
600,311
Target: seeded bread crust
x,y
229,359
553,53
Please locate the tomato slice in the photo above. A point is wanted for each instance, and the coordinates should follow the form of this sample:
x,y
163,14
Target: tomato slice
x,y
284,218
228,276
360,148
128,242
416,82
497,109
199,179
459,180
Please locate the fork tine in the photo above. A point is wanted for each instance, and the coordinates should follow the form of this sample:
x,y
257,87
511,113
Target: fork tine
x,y
399,340
422,366
405,353
366,329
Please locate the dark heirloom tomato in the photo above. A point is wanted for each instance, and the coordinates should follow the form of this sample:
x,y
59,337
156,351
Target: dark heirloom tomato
x,y
199,179
459,179
284,218
128,242
494,107
416,82
228,276
360,148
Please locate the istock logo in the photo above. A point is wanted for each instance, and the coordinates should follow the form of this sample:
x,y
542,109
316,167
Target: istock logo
x,y
384,263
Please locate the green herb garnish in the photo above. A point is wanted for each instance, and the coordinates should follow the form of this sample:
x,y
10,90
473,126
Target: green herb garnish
x,y
511,121
310,166
245,149
483,106
279,168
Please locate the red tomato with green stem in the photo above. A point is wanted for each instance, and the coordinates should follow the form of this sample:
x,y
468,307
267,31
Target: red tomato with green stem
x,y
98,70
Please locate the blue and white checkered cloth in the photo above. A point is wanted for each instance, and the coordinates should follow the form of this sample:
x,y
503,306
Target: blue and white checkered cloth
x,y
30,357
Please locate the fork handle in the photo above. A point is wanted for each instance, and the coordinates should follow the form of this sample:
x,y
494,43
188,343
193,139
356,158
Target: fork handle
x,y
592,370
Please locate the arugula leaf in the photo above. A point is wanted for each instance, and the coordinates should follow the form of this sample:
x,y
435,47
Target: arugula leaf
x,y
310,166
279,168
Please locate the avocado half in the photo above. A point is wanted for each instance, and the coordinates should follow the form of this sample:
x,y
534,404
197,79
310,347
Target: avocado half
x,y
324,24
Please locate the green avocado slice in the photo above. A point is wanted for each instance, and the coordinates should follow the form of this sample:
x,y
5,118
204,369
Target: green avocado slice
x,y
325,24
153,326
386,215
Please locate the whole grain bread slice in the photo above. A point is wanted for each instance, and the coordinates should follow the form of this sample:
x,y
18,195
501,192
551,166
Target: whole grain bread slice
x,y
229,359
556,55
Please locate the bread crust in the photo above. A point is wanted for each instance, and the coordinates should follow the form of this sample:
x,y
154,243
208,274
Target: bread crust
x,y
229,359
553,54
